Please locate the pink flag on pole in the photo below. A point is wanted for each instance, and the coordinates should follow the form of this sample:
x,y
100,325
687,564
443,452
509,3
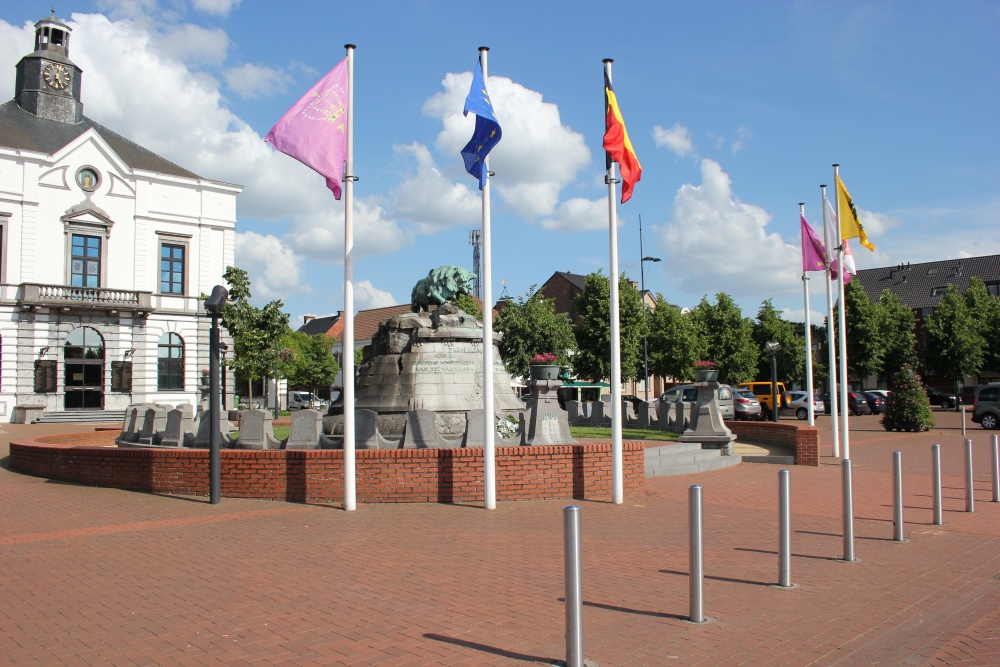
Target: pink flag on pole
x,y
314,130
813,252
850,268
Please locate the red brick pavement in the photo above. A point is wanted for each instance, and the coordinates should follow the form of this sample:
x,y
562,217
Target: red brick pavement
x,y
99,576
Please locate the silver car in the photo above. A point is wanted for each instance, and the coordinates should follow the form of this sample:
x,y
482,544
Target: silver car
x,y
746,406
799,402
688,393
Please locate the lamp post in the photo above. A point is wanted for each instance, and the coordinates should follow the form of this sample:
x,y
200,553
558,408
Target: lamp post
x,y
213,306
642,292
223,348
772,349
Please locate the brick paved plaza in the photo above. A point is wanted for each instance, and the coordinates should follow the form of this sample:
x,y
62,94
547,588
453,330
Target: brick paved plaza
x,y
104,577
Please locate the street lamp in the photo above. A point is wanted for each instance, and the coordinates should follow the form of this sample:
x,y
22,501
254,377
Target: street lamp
x,y
223,348
213,306
772,349
642,292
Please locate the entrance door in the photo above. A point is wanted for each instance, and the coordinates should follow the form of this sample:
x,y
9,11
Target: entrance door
x,y
83,377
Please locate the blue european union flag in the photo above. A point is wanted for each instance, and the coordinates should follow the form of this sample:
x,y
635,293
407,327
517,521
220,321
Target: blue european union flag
x,y
487,133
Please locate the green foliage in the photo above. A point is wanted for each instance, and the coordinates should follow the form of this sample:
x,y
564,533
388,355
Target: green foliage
x,y
530,325
790,358
256,332
593,336
726,338
896,324
907,408
953,346
864,342
984,308
311,363
673,341
468,303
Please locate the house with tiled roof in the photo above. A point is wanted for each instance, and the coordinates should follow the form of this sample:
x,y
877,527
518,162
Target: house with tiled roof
x,y
330,326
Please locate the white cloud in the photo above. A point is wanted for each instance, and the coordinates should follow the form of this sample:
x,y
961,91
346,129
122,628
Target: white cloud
x,y
677,139
251,81
716,243
876,224
429,199
319,234
579,215
193,44
743,135
537,157
276,270
367,296
217,7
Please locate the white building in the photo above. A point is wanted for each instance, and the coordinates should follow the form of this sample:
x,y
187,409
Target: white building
x,y
105,248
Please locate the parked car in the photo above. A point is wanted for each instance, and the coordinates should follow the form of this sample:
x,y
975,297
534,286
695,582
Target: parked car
x,y
300,400
884,393
688,393
746,407
857,403
762,390
986,406
876,402
798,401
944,399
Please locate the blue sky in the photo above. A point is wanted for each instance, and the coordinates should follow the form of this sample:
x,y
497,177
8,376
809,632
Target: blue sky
x,y
736,110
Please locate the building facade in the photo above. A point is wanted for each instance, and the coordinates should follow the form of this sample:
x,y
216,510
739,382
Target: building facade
x,y
105,248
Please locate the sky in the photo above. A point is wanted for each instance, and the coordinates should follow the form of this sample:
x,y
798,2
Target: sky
x,y
736,111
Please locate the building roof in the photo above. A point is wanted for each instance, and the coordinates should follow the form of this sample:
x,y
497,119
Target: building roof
x,y
922,285
320,325
21,130
575,279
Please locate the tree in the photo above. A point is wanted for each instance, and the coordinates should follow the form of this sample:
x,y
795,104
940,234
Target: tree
x,y
313,364
896,324
953,346
256,332
530,325
864,344
727,338
593,336
984,308
673,341
468,303
790,358
907,408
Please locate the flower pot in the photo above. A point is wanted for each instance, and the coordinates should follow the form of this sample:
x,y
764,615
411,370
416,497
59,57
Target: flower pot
x,y
543,371
204,380
709,375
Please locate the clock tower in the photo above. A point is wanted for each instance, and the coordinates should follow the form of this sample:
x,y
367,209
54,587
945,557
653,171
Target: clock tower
x,y
48,83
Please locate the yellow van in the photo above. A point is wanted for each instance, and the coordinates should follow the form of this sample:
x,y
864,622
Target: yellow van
x,y
762,390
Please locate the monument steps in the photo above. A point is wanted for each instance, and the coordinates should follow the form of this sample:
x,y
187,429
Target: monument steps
x,y
685,459
74,416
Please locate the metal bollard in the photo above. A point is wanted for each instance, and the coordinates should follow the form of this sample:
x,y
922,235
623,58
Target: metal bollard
x,y
936,483
897,496
996,472
696,557
963,420
970,502
784,532
574,586
848,492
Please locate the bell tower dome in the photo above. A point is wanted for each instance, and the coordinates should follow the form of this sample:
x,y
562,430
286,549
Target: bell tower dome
x,y
48,83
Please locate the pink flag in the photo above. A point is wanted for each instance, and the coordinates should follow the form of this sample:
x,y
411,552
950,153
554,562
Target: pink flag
x,y
813,253
314,131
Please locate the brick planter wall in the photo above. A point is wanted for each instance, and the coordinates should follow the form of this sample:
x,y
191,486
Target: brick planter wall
x,y
398,475
804,440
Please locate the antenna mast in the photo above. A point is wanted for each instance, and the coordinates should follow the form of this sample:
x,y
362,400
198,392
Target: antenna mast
x,y
476,239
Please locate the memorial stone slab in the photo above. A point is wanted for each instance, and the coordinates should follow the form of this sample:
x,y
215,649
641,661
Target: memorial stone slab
x,y
421,431
257,431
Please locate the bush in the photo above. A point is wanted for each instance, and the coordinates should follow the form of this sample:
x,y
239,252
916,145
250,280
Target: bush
x,y
907,408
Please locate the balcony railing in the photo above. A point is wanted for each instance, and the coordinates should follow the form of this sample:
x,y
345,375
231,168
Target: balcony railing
x,y
32,296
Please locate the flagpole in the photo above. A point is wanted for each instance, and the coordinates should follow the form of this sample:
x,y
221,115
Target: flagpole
x,y
617,485
489,431
831,338
809,360
347,361
842,322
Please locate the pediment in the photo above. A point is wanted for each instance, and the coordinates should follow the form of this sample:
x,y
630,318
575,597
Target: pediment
x,y
87,215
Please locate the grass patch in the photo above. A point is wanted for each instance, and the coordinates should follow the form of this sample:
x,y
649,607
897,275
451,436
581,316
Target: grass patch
x,y
627,433
280,432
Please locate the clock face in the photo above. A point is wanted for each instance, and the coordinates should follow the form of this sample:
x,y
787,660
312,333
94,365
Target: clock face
x,y
56,75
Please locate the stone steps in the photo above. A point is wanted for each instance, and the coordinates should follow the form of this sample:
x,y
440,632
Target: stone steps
x,y
685,459
82,416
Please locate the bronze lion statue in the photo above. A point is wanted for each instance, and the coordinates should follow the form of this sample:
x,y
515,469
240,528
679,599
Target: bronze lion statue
x,y
441,285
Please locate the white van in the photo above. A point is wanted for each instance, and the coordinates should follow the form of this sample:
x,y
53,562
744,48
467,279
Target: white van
x,y
301,400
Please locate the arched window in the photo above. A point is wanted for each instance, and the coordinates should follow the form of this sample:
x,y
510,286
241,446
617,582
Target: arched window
x,y
170,363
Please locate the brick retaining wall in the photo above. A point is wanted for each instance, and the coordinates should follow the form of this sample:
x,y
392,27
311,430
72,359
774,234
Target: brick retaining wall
x,y
396,475
803,439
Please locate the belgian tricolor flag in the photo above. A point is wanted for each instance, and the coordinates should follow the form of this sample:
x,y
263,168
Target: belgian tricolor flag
x,y
617,144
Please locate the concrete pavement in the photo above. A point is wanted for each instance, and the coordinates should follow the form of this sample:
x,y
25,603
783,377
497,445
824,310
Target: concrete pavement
x,y
98,576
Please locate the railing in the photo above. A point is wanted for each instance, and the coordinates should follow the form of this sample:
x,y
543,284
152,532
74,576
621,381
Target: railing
x,y
35,295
